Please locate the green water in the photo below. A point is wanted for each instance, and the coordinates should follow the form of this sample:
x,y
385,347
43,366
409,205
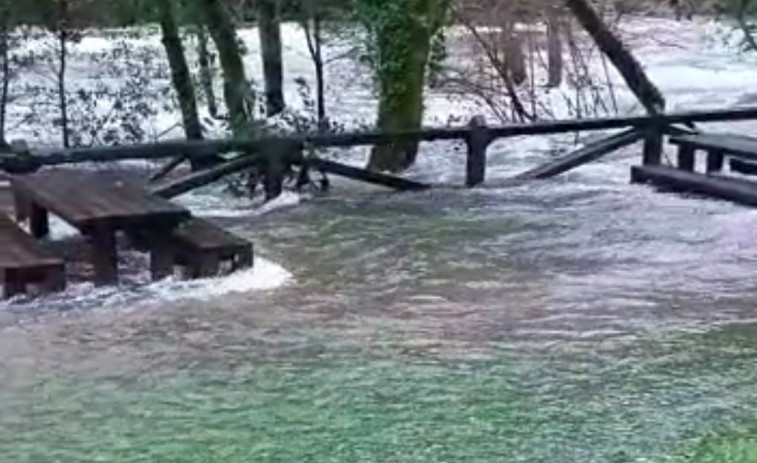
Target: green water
x,y
606,403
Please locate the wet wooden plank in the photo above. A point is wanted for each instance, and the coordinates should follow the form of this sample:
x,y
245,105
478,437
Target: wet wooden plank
x,y
590,152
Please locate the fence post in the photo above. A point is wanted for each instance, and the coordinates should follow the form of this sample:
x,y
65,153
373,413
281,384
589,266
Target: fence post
x,y
477,140
653,145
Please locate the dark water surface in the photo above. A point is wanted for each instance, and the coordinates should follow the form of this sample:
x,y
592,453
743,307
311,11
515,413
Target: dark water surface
x,y
581,319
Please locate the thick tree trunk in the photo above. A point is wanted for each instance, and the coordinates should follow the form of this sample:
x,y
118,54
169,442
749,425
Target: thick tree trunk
x,y
236,88
180,76
206,70
406,41
401,106
554,49
270,47
631,70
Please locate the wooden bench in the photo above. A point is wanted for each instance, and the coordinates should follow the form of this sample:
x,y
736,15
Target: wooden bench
x,y
201,246
717,147
734,189
24,262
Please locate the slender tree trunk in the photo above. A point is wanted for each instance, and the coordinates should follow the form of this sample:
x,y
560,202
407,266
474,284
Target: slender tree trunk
x,y
61,74
631,70
5,57
180,76
514,59
270,46
237,91
554,48
320,81
312,25
206,70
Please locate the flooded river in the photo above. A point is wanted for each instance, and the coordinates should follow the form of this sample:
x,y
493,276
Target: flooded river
x,y
576,319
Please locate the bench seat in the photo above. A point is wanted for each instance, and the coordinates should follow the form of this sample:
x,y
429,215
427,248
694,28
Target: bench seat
x,y
24,262
202,246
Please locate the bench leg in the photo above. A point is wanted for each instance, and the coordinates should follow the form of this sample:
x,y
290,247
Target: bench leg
x,y
38,221
714,161
104,257
243,259
162,256
686,158
13,285
207,265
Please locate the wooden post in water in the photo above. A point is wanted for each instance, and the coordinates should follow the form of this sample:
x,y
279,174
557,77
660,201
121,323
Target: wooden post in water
x,y
686,158
653,146
715,160
477,140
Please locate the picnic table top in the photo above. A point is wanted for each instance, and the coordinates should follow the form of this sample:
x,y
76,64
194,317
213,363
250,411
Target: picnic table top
x,y
90,199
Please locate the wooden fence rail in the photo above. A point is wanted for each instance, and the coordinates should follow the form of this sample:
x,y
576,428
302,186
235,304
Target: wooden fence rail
x,y
477,135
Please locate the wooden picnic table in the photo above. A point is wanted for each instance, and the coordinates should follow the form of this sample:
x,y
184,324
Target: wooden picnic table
x,y
99,207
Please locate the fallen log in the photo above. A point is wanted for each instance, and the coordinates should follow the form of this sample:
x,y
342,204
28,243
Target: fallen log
x,y
198,179
588,153
363,175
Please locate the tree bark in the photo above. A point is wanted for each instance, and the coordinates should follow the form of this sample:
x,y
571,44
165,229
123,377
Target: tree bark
x,y
5,57
514,59
63,35
406,40
554,49
631,70
180,76
269,31
312,26
206,70
237,92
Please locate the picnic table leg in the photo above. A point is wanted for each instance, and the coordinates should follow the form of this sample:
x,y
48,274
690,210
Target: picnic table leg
x,y
208,265
161,255
12,284
244,259
39,223
104,256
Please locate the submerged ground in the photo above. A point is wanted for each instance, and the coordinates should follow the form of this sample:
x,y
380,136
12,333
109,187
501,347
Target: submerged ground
x,y
579,319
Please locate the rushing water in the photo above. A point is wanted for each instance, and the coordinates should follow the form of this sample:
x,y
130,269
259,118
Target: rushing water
x,y
576,319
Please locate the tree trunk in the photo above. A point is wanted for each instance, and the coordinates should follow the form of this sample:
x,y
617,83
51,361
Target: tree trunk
x,y
180,76
206,70
270,47
406,40
514,59
237,92
62,32
5,57
631,70
312,26
554,49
